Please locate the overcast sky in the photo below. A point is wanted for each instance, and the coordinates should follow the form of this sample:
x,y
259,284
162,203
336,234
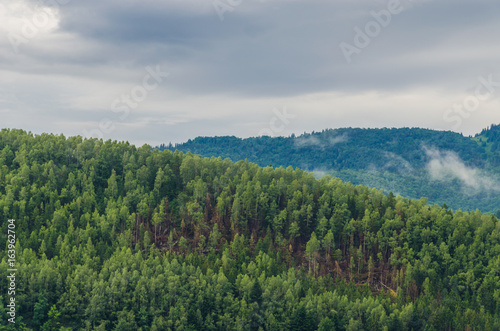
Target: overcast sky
x,y
156,71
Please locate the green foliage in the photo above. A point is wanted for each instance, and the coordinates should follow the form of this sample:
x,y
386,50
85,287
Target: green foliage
x,y
395,160
115,237
53,320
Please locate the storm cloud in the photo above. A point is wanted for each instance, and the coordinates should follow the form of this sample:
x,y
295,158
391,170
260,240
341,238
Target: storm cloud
x,y
64,63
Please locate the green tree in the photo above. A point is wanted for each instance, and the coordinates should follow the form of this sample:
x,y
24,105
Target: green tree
x,y
312,248
112,189
326,324
256,292
53,320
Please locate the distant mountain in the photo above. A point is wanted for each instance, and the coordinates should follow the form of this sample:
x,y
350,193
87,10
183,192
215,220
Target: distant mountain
x,y
447,167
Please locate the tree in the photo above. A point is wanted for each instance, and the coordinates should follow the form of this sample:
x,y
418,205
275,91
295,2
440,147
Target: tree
x,y
371,268
53,320
214,238
326,324
328,242
158,219
126,321
112,190
158,185
312,248
301,320
256,292
40,310
294,231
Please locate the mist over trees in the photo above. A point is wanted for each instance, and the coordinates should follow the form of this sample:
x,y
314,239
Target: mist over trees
x,y
444,166
116,237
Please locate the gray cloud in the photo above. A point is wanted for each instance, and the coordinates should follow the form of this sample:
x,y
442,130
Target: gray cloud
x,y
263,54
286,47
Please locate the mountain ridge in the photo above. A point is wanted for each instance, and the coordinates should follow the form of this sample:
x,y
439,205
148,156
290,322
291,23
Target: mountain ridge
x,y
412,162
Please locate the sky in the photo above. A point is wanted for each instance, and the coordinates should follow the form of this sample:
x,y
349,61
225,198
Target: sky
x,y
154,71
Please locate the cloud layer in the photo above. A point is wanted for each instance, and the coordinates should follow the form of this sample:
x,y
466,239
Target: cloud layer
x,y
227,76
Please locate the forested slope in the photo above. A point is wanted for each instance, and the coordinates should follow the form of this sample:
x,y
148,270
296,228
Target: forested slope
x,y
115,237
444,166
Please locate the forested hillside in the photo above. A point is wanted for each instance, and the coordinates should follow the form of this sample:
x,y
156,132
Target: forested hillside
x,y
444,166
116,237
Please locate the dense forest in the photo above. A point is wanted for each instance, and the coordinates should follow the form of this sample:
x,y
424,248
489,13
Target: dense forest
x,y
395,160
110,236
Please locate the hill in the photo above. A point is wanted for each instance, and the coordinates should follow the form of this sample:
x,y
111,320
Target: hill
x,y
444,166
114,237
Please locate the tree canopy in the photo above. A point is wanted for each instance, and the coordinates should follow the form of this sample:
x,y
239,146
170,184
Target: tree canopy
x,y
395,160
111,236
